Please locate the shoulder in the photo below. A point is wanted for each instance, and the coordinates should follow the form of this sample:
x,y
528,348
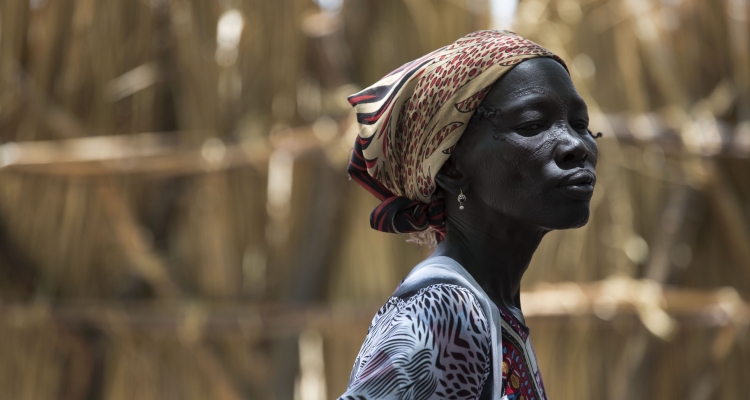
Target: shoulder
x,y
443,313
451,304
434,341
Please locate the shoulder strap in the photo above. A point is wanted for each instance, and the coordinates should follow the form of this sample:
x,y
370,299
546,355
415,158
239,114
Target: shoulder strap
x,y
427,274
445,270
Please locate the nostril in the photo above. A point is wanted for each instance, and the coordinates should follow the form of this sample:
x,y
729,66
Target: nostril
x,y
569,157
585,156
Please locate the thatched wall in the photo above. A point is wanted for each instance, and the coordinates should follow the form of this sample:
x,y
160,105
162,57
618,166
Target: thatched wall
x,y
230,258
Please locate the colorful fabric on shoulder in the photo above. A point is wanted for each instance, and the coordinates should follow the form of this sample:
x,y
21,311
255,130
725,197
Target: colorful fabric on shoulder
x,y
522,379
437,344
412,118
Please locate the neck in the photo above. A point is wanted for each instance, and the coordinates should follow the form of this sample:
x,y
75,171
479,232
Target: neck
x,y
494,249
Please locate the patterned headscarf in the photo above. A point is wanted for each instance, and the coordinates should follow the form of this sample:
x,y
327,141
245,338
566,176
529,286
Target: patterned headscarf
x,y
412,118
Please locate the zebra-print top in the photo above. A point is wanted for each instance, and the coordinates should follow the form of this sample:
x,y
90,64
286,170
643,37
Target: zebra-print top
x,y
437,344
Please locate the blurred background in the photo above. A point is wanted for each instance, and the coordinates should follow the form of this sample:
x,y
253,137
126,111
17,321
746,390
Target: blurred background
x,y
176,221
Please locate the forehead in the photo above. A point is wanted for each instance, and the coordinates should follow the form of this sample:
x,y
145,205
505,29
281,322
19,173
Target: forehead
x,y
533,78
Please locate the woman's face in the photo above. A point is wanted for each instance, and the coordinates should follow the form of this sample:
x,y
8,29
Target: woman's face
x,y
534,159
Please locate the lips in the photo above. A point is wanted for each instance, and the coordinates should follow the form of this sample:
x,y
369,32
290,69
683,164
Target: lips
x,y
579,185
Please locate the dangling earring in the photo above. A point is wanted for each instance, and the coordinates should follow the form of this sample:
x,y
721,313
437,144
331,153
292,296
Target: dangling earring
x,y
461,199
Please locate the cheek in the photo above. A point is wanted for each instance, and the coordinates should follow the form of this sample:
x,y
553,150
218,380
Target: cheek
x,y
530,159
593,151
513,172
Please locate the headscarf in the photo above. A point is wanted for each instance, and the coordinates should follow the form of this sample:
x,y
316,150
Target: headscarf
x,y
412,118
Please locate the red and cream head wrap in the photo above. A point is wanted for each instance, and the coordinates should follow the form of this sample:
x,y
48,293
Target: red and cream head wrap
x,y
411,120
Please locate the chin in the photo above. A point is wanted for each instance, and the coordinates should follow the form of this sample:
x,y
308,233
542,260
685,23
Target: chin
x,y
580,222
570,217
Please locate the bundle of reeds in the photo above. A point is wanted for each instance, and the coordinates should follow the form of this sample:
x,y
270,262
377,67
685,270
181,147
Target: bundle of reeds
x,y
167,235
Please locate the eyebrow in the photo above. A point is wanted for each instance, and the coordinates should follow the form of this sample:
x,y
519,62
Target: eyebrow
x,y
524,101
511,102
527,91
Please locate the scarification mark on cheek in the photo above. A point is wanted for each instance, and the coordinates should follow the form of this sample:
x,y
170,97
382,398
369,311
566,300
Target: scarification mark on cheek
x,y
536,147
592,148
545,151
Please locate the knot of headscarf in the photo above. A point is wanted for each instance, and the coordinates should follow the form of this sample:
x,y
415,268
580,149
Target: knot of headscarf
x,y
412,118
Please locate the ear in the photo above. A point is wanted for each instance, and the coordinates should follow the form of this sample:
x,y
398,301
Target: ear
x,y
450,177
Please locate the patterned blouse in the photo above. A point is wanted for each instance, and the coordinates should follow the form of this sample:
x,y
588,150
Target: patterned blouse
x,y
436,343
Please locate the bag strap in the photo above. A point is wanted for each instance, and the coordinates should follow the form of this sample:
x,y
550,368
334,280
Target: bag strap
x,y
424,275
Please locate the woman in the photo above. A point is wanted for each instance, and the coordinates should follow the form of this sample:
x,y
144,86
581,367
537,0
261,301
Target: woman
x,y
524,165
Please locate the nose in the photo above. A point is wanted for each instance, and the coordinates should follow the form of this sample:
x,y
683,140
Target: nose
x,y
571,151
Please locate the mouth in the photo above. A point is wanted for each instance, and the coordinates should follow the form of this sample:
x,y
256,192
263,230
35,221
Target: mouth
x,y
579,185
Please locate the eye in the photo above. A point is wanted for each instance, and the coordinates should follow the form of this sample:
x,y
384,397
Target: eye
x,y
580,125
532,126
